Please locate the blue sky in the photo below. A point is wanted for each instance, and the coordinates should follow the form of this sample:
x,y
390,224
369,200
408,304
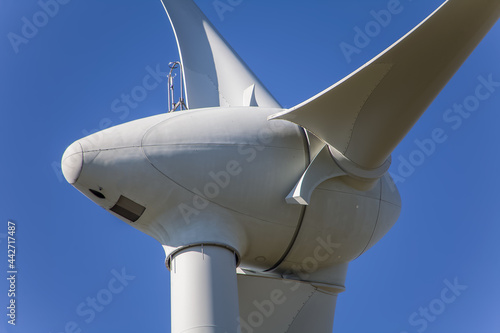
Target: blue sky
x,y
62,81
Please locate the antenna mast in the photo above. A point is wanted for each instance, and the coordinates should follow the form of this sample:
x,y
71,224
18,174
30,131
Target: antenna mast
x,y
172,104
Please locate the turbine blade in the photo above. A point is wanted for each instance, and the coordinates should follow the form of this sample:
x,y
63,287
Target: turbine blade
x,y
214,73
289,306
365,115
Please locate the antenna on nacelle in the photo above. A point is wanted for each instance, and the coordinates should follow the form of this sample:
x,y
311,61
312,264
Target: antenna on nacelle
x,y
172,104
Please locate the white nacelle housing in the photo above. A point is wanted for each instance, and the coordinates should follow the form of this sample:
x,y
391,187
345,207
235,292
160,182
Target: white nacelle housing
x,y
220,176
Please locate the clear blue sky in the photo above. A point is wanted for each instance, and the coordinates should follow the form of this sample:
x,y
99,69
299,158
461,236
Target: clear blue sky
x,y
63,80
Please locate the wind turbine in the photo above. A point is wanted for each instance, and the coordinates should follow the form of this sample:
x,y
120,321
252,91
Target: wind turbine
x,y
246,196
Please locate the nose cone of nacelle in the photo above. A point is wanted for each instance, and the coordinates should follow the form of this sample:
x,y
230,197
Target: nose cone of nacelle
x,y
72,162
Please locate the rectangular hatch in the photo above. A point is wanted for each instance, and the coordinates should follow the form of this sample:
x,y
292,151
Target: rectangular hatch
x,y
128,209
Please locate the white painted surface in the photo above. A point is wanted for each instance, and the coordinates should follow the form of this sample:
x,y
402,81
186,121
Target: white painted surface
x,y
204,291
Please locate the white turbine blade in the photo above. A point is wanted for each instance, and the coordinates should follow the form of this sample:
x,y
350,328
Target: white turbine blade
x,y
365,115
214,74
277,305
